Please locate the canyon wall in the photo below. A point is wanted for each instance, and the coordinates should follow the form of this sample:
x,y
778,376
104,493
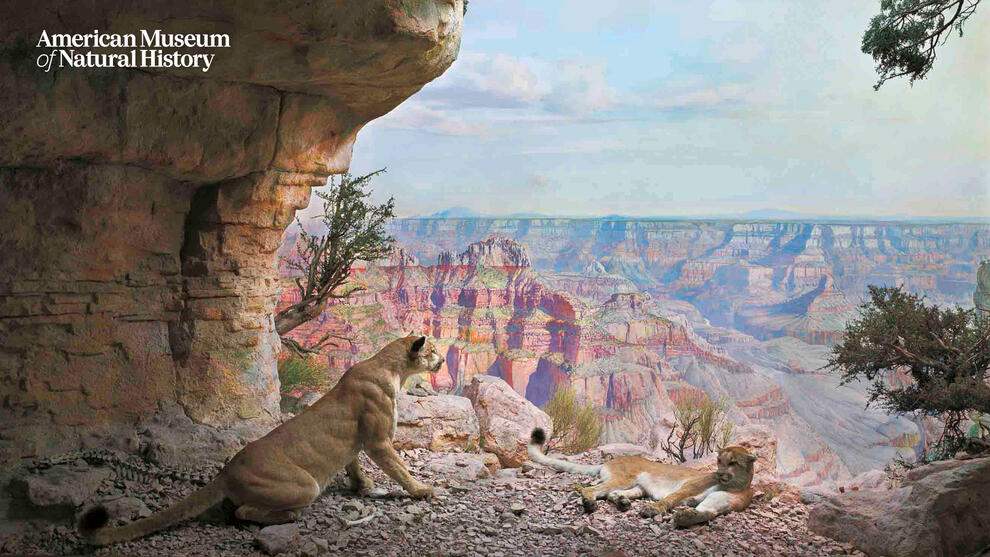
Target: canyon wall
x,y
764,278
636,316
143,208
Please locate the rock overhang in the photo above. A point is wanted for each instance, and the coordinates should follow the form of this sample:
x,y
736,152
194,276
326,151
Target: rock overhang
x,y
146,206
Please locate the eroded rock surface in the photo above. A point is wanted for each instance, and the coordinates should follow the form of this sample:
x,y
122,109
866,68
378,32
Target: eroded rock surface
x,y
439,423
940,510
143,209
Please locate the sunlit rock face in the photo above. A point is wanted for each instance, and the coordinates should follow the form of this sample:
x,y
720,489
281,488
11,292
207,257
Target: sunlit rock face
x,y
143,209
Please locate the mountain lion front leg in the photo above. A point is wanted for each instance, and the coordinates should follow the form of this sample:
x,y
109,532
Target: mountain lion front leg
x,y
384,455
358,480
689,489
717,503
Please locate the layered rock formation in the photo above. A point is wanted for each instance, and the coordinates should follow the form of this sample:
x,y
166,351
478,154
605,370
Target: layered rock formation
x,y
144,208
765,279
539,318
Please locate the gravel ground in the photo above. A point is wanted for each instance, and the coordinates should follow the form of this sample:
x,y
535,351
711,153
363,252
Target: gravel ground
x,y
520,512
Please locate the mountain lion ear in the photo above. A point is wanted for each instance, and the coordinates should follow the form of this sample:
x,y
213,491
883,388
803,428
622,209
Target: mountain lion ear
x,y
753,456
411,334
417,344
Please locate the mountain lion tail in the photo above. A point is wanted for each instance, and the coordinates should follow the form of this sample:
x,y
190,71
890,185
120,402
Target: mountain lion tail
x,y
535,450
92,523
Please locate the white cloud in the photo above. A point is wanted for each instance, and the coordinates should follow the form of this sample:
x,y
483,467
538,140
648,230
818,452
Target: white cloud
x,y
412,115
483,80
580,87
573,86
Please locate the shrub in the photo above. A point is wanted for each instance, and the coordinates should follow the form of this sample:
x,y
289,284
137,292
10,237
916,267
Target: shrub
x,y
576,426
701,427
301,372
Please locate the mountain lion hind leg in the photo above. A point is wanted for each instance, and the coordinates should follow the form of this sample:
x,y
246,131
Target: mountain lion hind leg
x,y
276,502
591,494
622,499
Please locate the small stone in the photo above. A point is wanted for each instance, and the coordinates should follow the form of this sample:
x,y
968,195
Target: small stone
x,y
517,508
322,544
278,538
308,549
353,505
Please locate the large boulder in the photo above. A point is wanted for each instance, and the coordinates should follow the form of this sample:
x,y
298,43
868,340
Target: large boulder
x,y
437,423
940,510
760,441
59,490
505,418
615,450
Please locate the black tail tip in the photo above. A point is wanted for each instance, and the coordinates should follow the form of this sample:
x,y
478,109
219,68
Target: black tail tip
x,y
538,437
94,519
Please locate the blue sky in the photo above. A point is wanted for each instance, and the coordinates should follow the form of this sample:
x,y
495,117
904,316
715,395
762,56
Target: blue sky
x,y
683,108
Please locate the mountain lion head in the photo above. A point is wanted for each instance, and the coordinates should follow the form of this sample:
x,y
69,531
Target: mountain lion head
x,y
423,356
735,467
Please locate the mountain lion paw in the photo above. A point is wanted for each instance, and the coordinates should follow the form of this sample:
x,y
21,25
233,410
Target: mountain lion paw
x,y
690,517
364,483
421,491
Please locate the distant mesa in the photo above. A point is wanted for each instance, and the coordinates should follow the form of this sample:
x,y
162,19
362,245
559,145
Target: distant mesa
x,y
494,251
456,213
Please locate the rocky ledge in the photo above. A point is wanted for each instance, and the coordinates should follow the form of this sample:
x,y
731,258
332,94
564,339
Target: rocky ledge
x,y
478,509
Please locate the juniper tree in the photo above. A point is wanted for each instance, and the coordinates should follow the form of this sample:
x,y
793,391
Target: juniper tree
x,y
904,36
944,352
354,231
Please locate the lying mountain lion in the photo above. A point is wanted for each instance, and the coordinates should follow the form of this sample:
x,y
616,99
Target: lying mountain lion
x,y
274,478
630,477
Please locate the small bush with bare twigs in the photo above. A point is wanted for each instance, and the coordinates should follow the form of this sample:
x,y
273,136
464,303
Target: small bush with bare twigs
x,y
701,428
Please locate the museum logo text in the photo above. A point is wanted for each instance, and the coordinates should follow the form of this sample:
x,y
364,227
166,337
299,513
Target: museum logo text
x,y
147,50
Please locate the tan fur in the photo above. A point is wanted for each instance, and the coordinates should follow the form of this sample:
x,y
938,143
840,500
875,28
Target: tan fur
x,y
274,478
713,493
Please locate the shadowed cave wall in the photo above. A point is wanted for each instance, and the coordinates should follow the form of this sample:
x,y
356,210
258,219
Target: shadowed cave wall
x,y
142,209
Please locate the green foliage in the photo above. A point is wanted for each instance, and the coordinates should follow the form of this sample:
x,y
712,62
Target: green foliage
x,y
576,426
301,372
702,428
355,231
918,359
903,37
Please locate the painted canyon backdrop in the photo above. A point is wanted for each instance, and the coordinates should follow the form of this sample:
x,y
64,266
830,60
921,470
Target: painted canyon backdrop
x,y
635,313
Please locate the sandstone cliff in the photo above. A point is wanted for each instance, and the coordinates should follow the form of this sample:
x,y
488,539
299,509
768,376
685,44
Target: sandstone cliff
x,y
143,209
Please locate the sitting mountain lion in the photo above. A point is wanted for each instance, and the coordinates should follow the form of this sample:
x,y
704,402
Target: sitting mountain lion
x,y
273,479
630,477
